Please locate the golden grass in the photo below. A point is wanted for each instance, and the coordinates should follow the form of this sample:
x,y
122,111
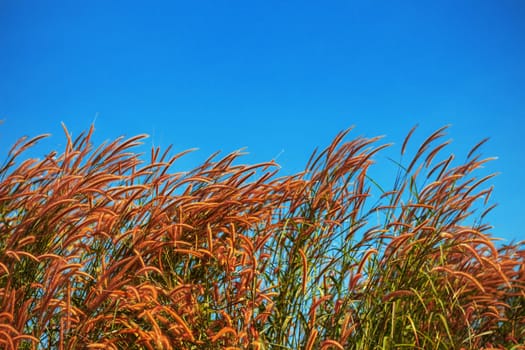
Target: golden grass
x,y
101,249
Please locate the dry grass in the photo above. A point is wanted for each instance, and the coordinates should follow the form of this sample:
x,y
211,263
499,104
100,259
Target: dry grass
x,y
99,249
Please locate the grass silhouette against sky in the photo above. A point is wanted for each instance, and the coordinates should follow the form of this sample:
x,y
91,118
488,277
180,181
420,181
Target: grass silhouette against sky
x,y
279,78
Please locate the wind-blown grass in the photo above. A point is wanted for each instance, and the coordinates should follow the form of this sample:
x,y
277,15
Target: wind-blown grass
x,y
102,249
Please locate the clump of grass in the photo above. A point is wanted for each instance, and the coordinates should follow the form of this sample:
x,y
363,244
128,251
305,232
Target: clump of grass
x,y
102,249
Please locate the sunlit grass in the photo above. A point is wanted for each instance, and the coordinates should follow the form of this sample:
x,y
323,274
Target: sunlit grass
x,y
101,248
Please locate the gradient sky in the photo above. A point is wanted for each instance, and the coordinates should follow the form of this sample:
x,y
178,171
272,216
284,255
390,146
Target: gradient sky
x,y
277,77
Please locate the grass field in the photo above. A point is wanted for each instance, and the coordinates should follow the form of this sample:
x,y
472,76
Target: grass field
x,y
103,248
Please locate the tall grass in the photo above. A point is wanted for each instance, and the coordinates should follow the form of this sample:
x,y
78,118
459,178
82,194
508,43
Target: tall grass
x,y
101,249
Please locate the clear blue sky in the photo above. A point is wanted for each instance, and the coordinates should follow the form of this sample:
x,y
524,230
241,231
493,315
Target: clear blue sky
x,y
278,77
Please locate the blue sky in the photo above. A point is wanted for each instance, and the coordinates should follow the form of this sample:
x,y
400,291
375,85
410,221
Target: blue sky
x,y
277,77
